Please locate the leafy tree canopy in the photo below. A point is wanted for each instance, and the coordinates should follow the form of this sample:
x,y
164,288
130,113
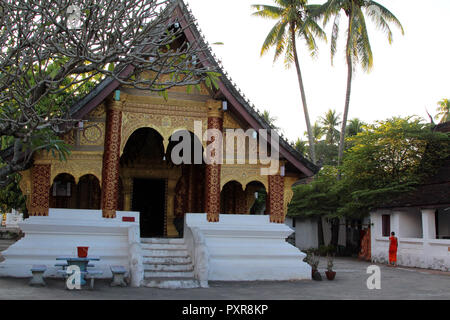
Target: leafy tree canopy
x,y
386,160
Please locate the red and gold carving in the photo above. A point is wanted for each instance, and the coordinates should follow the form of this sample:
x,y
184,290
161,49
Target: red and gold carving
x,y
212,194
40,177
276,198
181,195
111,157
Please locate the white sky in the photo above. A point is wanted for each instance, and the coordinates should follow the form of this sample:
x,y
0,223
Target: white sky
x,y
408,76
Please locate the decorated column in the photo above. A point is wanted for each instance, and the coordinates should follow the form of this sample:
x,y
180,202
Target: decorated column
x,y
40,190
276,198
212,178
111,157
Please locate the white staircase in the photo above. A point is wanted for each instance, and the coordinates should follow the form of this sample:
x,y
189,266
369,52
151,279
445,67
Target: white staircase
x,y
167,264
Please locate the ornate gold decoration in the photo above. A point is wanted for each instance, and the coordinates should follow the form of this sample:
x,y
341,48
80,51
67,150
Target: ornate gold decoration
x,y
127,193
288,192
164,124
78,164
93,134
69,138
214,108
25,186
229,122
243,173
98,113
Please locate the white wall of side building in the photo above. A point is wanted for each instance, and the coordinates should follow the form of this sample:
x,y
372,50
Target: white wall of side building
x,y
306,232
418,245
306,236
411,224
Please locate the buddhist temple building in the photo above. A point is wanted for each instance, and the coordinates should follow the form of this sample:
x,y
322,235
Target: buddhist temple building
x,y
120,187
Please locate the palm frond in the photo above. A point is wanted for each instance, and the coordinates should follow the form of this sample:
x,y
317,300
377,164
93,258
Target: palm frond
x,y
280,41
363,42
271,38
386,14
265,11
334,36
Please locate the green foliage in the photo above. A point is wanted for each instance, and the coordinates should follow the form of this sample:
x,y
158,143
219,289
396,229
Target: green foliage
x,y
329,122
318,198
300,145
384,161
443,110
260,202
11,197
358,43
354,127
270,119
327,153
294,18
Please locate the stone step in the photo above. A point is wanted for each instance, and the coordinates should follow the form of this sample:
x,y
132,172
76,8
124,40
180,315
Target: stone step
x,y
168,267
167,260
168,274
163,240
5,244
158,246
164,253
174,283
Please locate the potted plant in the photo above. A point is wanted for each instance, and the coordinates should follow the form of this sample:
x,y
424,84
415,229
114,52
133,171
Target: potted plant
x,y
330,273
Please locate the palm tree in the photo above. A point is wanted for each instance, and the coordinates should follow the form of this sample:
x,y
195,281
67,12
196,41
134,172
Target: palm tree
x,y
300,145
358,49
330,121
443,111
270,119
295,18
317,132
354,127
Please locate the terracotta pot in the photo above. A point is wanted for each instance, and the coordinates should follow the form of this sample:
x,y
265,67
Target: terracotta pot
x,y
330,275
82,252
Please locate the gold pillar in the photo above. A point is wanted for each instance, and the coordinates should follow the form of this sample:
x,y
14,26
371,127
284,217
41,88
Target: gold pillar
x,y
111,158
170,214
127,194
212,177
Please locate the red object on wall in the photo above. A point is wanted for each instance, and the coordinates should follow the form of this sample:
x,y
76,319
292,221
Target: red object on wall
x,y
128,219
82,252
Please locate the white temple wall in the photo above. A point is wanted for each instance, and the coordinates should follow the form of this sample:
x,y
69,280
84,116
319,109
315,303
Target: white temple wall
x,y
59,234
245,248
424,252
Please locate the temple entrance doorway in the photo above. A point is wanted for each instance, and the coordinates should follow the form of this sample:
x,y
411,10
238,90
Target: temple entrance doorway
x,y
149,200
161,190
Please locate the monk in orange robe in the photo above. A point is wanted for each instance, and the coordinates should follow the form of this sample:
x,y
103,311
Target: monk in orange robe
x,y
393,245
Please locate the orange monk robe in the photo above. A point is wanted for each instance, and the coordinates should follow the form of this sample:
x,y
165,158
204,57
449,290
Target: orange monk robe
x,y
393,244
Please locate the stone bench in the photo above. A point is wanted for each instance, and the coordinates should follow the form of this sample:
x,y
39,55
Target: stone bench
x,y
37,271
89,274
118,276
